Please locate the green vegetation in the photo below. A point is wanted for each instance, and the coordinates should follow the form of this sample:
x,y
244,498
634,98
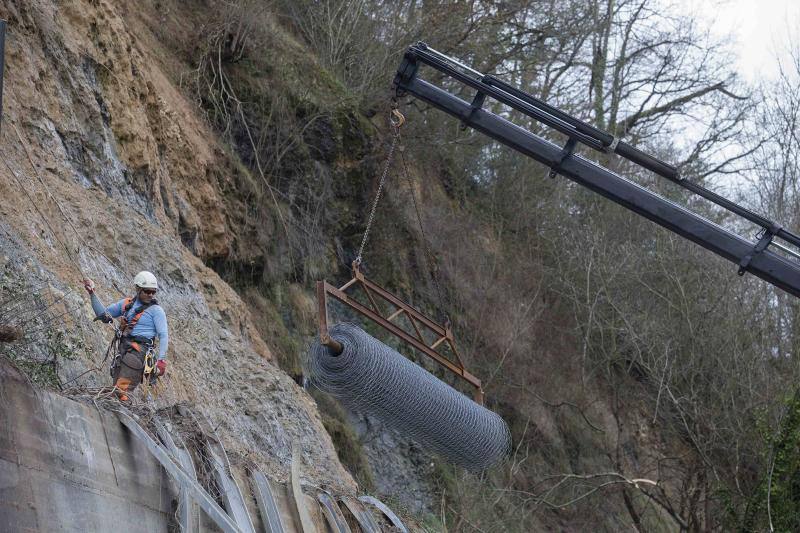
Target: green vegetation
x,y
776,500
42,373
346,442
615,349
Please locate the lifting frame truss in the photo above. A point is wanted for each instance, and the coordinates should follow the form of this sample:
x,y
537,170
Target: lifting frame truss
x,y
420,323
760,258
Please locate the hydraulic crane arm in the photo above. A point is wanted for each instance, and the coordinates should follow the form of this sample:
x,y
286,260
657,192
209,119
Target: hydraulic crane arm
x,y
761,258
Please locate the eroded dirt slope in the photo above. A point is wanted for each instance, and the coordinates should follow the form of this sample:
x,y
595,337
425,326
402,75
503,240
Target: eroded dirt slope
x,y
128,177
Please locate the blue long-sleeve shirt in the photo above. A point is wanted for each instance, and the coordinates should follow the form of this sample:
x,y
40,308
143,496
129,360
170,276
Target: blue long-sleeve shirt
x,y
152,323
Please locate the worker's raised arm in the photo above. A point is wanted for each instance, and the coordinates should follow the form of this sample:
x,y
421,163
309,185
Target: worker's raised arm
x,y
115,310
100,310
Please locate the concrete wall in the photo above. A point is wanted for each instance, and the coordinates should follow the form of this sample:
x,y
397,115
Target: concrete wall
x,y
64,466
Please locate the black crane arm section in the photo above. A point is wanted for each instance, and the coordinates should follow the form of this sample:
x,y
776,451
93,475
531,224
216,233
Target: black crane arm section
x,y
758,258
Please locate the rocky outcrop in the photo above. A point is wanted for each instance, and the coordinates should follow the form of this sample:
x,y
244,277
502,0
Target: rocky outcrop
x,y
126,176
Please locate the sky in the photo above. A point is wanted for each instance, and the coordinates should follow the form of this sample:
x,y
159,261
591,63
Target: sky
x,y
760,30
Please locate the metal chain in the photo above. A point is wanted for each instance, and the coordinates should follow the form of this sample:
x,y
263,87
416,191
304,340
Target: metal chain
x,y
396,119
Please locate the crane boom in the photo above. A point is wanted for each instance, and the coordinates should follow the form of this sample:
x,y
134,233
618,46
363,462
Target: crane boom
x,y
760,258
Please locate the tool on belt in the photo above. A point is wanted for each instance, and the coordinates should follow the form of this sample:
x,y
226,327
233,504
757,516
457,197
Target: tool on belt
x,y
150,375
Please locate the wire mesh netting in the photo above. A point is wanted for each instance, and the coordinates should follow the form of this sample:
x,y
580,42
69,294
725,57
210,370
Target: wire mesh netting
x,y
372,378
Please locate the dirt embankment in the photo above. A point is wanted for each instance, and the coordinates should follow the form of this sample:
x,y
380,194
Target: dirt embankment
x,y
127,177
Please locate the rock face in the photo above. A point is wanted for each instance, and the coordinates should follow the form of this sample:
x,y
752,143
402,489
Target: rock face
x,y
107,171
398,465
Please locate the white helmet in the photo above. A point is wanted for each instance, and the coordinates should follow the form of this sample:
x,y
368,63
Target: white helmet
x,y
145,280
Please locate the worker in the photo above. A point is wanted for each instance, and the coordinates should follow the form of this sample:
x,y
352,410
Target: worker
x,y
141,320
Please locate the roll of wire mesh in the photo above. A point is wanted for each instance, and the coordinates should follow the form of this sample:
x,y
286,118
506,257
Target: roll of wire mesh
x,y
372,378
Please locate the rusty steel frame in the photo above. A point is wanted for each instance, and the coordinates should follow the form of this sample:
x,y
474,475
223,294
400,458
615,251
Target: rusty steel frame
x,y
419,322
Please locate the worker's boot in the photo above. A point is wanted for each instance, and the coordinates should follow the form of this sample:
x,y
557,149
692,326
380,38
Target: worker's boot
x,y
122,384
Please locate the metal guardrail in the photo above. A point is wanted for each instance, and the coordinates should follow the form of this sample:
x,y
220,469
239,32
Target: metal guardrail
x,y
206,502
388,513
306,522
365,521
188,514
169,456
336,519
267,505
231,494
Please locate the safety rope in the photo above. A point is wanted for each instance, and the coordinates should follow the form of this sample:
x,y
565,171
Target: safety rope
x,y
41,214
47,189
73,260
81,242
396,120
111,351
434,265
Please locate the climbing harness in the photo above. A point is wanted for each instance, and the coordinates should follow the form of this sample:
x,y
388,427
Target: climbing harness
x,y
126,325
73,250
60,239
123,341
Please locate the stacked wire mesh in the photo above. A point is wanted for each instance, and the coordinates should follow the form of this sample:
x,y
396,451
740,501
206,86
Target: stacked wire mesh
x,y
372,378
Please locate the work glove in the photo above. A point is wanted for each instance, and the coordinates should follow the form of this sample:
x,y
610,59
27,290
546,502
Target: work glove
x,y
88,285
161,366
104,318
